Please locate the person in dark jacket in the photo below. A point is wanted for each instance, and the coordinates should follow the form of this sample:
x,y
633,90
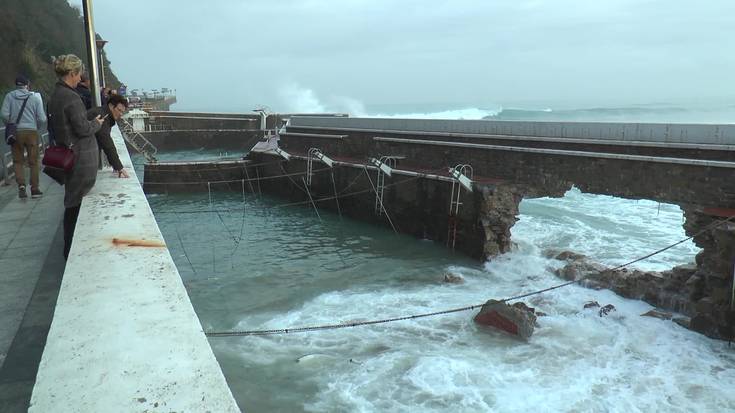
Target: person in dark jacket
x,y
84,92
68,121
111,112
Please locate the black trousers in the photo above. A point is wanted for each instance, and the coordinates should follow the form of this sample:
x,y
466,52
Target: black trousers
x,y
70,222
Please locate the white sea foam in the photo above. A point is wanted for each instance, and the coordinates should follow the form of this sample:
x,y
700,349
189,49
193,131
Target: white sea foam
x,y
295,98
458,114
608,229
576,360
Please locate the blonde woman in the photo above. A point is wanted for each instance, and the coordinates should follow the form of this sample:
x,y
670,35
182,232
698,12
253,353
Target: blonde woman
x,y
68,121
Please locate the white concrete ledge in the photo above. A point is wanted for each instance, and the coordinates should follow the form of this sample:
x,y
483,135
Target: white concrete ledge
x,y
313,135
124,335
254,118
583,154
649,132
531,138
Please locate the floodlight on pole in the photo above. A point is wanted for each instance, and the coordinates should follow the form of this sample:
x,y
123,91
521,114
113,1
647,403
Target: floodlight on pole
x,y
283,154
458,173
324,158
383,167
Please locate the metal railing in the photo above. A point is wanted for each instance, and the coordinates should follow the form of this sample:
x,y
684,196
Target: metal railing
x,y
138,141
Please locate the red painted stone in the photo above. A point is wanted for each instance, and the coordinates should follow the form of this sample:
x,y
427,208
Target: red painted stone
x,y
495,319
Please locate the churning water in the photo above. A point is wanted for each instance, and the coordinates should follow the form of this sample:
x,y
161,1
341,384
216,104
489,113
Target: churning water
x,y
253,265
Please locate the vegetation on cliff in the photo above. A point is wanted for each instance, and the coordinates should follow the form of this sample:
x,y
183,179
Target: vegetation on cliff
x,y
31,32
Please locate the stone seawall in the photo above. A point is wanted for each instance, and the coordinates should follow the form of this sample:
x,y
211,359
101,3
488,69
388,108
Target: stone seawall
x,y
415,205
233,140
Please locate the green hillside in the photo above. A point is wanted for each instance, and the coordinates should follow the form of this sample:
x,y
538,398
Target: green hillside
x,y
31,31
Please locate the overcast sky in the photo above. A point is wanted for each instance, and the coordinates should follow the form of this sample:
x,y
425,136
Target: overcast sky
x,y
229,55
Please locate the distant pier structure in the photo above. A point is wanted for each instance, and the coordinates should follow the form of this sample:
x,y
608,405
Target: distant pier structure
x,y
461,182
154,99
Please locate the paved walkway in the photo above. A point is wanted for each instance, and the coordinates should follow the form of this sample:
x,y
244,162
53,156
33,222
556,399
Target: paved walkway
x,y
31,268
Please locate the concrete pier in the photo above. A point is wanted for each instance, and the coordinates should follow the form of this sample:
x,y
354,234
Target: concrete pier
x,y
124,335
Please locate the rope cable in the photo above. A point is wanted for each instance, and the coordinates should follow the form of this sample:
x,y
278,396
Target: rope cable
x,y
289,204
390,221
183,248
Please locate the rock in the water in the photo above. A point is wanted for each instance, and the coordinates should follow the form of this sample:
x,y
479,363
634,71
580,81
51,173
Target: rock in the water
x,y
313,358
569,256
522,306
578,269
453,278
683,321
607,310
518,319
591,304
658,314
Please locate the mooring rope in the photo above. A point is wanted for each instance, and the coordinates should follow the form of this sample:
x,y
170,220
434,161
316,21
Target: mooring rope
x,y
336,199
453,310
240,165
229,181
380,200
316,210
183,248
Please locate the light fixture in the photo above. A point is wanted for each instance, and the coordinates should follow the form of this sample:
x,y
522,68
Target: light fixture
x,y
324,158
463,180
383,167
283,153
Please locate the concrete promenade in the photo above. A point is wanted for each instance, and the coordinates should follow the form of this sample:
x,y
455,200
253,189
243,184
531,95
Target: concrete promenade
x,y
31,267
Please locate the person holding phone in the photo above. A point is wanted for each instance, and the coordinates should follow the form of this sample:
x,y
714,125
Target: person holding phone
x,y
111,112
71,128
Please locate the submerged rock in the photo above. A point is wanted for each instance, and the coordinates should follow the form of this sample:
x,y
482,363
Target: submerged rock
x,y
683,321
518,320
452,278
658,314
606,310
313,358
679,290
569,256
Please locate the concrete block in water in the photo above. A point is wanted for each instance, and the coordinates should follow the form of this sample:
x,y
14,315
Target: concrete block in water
x,y
518,320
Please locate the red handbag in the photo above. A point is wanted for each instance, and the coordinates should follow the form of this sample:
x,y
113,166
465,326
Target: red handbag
x,y
58,157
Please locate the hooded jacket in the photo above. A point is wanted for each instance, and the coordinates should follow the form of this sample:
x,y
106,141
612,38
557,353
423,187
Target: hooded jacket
x,y
33,115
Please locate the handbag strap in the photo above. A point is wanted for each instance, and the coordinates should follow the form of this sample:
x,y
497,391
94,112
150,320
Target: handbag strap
x,y
22,108
50,130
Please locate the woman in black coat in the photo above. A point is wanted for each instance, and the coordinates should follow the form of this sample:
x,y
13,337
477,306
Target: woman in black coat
x,y
68,120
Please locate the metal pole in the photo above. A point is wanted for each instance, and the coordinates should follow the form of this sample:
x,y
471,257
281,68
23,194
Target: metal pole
x,y
102,70
91,51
